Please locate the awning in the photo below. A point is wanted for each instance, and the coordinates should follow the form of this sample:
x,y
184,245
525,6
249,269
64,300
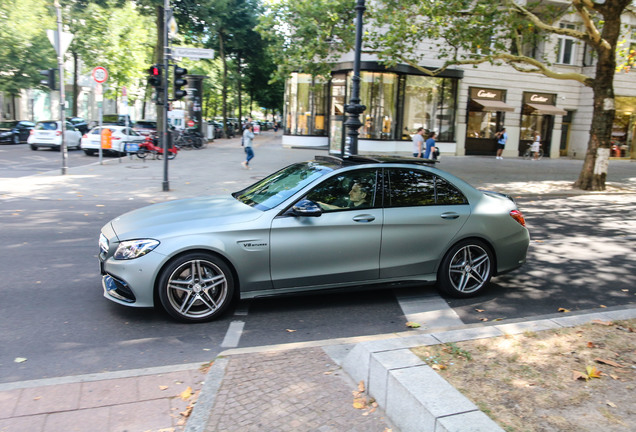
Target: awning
x,y
547,109
492,105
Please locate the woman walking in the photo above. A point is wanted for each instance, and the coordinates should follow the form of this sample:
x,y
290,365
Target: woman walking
x,y
248,136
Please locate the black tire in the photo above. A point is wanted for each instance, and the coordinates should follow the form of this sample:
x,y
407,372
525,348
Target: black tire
x,y
89,152
196,287
171,155
466,269
527,154
142,153
33,147
16,139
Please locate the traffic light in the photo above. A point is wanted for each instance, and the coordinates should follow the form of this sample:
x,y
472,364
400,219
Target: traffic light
x,y
49,81
179,82
154,76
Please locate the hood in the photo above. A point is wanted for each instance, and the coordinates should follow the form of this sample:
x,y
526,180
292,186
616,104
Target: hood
x,y
182,216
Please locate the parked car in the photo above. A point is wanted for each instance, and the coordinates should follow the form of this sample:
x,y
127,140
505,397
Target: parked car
x,y
323,224
49,134
117,119
122,140
218,129
146,127
79,123
15,131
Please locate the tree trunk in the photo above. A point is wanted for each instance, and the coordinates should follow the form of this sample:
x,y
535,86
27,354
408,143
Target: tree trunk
x,y
595,167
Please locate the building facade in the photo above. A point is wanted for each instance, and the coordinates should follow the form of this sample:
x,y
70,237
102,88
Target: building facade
x,y
465,106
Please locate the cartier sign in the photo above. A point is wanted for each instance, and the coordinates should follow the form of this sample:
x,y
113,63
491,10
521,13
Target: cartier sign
x,y
539,98
490,94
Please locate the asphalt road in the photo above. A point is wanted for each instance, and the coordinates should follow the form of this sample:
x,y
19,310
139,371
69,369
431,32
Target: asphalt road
x,y
52,311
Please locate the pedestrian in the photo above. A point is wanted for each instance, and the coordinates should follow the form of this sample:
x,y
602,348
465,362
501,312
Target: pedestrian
x,y
536,145
502,137
430,144
248,136
418,142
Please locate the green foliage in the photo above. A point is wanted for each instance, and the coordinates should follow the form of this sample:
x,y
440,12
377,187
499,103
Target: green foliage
x,y
25,49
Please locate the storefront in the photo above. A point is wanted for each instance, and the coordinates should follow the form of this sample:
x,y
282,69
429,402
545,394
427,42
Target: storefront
x,y
537,115
624,129
398,101
485,117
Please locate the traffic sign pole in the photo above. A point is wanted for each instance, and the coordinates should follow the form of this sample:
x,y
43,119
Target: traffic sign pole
x,y
167,12
100,75
60,65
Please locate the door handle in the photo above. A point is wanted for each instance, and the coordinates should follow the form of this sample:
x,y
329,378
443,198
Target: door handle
x,y
364,218
449,215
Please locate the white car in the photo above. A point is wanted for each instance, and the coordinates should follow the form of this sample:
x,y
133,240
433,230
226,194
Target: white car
x,y
49,134
123,140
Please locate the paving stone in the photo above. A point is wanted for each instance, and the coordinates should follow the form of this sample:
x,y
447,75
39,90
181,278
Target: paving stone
x,y
294,391
8,402
48,399
84,420
33,423
108,392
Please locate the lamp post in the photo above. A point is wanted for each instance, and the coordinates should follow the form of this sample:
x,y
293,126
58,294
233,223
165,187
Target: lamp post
x,y
353,108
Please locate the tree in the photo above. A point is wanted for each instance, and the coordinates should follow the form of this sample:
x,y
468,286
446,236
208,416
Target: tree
x,y
25,49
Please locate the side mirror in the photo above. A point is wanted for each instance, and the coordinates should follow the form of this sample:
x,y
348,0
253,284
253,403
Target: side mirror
x,y
305,208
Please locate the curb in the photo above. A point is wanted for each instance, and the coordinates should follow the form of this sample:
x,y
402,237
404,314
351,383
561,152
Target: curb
x,y
409,391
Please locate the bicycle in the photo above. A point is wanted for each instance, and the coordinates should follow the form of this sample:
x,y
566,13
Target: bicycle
x,y
188,140
529,153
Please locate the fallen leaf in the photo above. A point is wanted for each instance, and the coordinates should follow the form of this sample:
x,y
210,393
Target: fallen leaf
x,y
37,398
605,323
576,375
360,403
479,310
20,360
612,404
609,362
411,324
162,388
290,330
603,306
563,310
483,319
186,394
592,372
591,345
361,386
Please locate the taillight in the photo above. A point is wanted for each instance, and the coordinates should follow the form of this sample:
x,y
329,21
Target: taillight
x,y
58,133
31,132
85,136
518,216
116,138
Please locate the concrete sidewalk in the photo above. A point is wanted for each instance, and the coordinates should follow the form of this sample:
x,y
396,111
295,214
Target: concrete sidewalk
x,y
302,387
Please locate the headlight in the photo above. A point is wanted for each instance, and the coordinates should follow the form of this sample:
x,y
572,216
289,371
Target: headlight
x,y
5,134
132,249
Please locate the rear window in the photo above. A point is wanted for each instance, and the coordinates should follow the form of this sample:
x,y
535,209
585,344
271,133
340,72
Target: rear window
x,y
96,131
148,125
46,125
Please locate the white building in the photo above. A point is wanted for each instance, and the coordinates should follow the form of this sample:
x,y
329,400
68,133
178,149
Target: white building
x,y
464,105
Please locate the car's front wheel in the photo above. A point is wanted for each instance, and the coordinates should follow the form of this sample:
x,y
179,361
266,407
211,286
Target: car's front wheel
x,y
33,147
196,287
466,269
16,139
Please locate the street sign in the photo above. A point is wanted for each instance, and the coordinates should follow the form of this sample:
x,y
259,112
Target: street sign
x,y
100,75
194,53
65,41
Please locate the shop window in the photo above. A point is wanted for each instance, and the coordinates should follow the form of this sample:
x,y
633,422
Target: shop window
x,y
430,103
378,92
566,48
531,123
305,107
481,124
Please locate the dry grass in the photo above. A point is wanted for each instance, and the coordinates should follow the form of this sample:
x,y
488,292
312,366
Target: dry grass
x,y
535,382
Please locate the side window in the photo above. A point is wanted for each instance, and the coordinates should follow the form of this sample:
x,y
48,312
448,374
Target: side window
x,y
447,194
349,190
409,188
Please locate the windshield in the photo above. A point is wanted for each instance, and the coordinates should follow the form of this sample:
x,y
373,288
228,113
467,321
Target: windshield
x,y
273,190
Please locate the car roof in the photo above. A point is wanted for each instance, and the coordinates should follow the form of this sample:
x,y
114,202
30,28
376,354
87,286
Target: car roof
x,y
351,160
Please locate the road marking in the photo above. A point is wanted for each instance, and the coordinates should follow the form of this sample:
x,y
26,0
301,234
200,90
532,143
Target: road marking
x,y
233,334
427,309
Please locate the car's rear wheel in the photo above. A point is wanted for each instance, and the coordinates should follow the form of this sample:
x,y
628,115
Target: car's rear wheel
x,y
196,287
89,152
466,269
16,139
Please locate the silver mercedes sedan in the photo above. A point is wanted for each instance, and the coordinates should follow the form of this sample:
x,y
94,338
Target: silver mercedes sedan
x,y
327,223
